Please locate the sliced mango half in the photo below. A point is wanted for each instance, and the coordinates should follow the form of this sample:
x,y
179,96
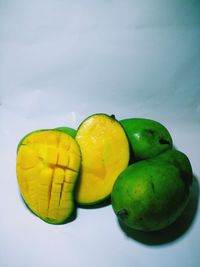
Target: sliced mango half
x,y
105,154
47,167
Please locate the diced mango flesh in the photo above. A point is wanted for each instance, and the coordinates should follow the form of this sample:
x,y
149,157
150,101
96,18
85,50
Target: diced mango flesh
x,y
47,167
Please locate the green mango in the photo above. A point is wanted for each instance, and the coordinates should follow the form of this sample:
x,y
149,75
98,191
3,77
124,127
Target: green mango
x,y
151,194
181,161
147,138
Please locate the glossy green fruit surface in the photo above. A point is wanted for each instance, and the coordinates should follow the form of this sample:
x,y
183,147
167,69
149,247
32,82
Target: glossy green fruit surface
x,y
151,194
67,130
147,138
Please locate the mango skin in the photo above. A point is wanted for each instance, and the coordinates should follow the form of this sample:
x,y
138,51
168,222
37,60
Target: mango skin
x,y
67,130
151,194
147,138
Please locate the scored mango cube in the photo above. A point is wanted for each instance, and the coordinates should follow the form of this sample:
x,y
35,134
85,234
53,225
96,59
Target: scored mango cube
x,y
65,203
59,175
56,188
70,176
66,196
74,162
54,203
63,158
55,196
67,187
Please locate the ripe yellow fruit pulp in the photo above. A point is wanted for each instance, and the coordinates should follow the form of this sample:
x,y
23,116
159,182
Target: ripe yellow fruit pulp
x,y
47,168
105,153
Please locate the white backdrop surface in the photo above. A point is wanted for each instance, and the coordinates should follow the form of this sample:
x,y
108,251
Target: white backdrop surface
x,y
61,61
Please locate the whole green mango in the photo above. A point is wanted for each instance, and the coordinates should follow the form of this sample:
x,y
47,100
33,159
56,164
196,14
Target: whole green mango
x,y
147,138
151,194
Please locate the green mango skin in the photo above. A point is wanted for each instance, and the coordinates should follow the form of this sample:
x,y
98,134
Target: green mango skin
x,y
147,138
151,194
181,161
68,130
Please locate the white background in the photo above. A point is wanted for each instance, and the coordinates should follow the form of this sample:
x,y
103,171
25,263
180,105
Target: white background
x,y
61,61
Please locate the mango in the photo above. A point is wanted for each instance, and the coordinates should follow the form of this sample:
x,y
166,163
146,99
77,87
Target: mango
x,y
47,167
147,138
151,194
105,153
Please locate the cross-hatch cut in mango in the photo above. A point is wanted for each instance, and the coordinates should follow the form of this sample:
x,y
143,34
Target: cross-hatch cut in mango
x,y
47,168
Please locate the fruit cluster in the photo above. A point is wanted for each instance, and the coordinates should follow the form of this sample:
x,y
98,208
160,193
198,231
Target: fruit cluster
x,y
132,160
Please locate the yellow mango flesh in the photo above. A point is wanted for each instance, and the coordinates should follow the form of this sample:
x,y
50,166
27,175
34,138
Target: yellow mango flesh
x,y
47,168
105,154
